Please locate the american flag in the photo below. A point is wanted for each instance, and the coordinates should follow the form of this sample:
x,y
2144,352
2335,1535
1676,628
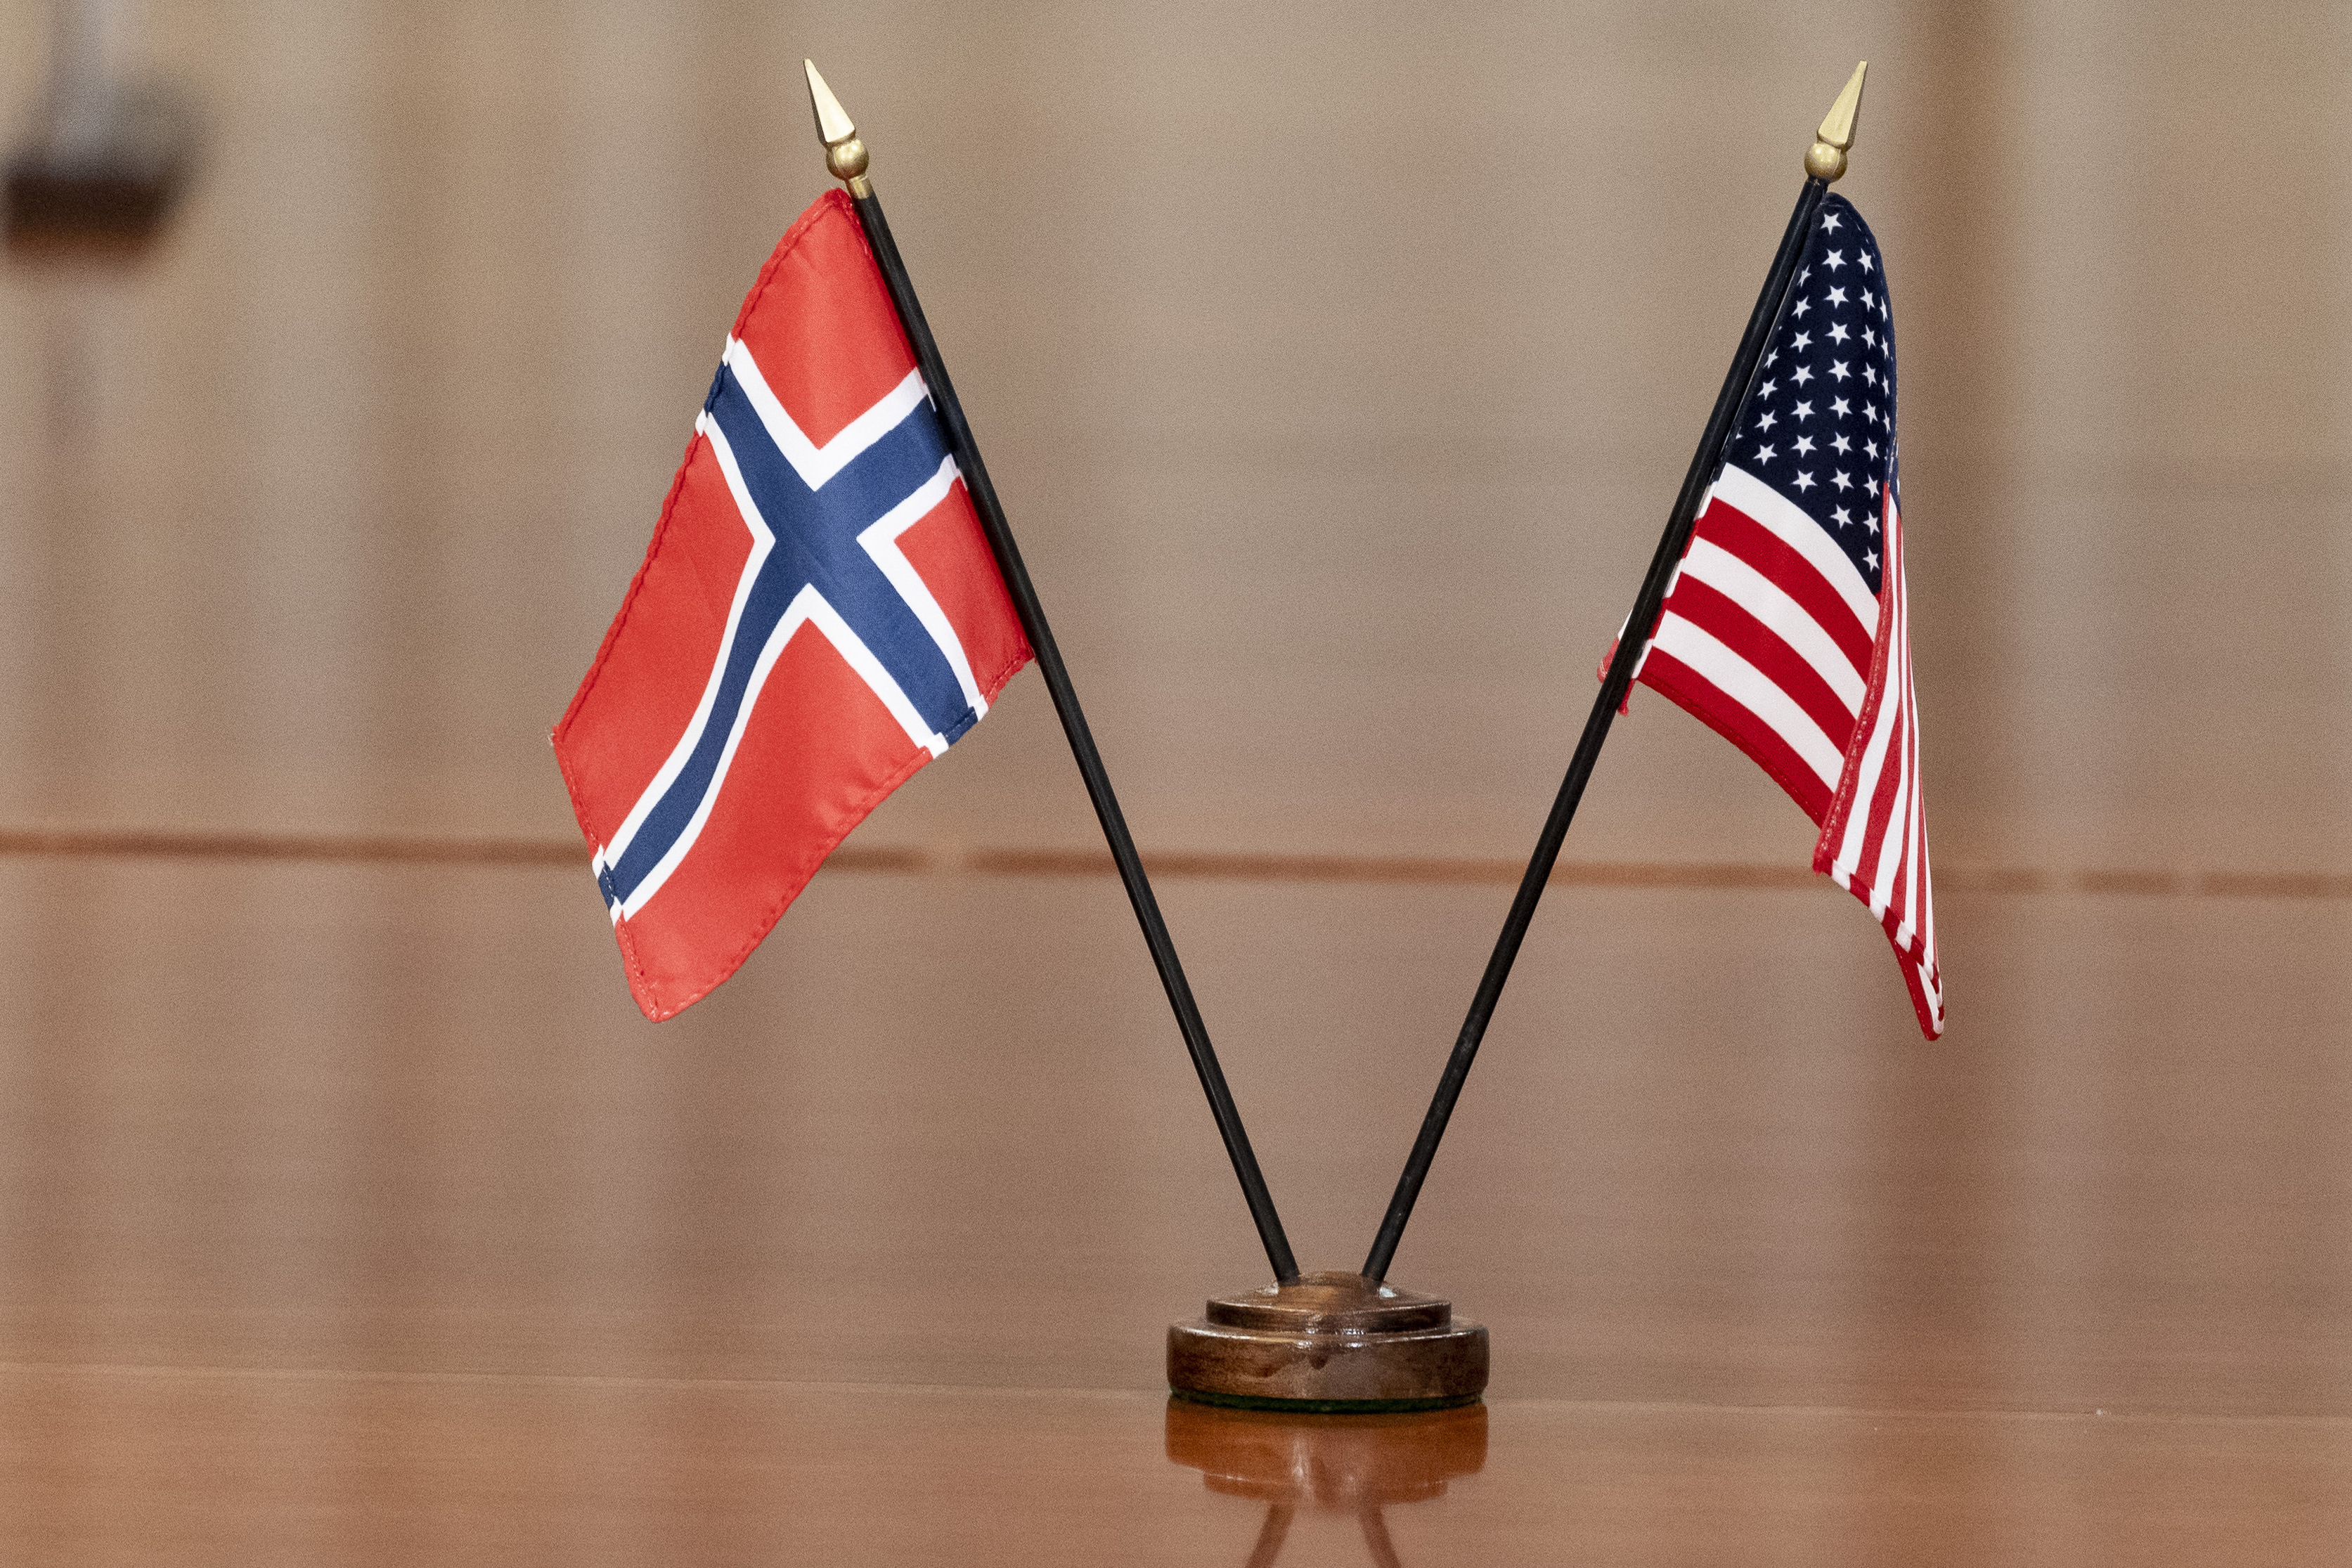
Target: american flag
x,y
1787,626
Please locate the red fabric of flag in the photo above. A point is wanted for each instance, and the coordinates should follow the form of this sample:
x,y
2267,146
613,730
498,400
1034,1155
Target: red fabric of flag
x,y
818,615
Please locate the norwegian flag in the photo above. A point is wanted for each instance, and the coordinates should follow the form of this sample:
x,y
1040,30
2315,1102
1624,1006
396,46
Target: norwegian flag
x,y
818,616
1787,626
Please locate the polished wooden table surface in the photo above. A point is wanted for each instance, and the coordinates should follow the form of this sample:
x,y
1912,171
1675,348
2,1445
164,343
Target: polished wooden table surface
x,y
348,1213
220,1468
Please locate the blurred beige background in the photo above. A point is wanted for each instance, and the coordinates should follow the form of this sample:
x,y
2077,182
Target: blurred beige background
x,y
1336,364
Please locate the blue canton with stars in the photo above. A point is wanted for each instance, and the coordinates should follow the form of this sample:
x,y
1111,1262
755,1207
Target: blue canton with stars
x,y
1819,427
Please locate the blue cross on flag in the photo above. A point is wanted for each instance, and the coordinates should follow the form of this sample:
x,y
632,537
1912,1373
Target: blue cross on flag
x,y
817,617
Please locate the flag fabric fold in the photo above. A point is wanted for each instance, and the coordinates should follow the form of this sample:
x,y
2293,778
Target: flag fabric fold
x,y
818,615
1787,629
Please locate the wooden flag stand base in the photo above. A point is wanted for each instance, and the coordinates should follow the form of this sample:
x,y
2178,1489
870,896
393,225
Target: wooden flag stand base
x,y
1331,1342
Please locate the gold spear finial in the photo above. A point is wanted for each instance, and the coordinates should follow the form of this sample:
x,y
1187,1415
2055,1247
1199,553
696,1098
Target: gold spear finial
x,y
845,155
1826,158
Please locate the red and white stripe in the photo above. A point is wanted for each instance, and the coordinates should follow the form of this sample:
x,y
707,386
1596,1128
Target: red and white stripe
x,y
1874,843
1770,636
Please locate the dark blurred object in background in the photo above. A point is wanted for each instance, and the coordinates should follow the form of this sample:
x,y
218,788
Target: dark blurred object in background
x,y
110,153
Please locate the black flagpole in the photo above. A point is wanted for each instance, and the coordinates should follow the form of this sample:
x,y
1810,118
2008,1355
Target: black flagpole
x,y
845,156
1824,164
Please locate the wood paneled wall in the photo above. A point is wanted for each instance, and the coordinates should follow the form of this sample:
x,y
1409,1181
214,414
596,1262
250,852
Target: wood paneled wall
x,y
1338,363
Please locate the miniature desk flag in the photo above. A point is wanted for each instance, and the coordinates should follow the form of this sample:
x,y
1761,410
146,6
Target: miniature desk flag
x,y
833,598
1775,618
1787,629
818,615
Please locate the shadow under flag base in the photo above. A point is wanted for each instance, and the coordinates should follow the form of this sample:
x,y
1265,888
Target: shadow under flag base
x,y
1328,1343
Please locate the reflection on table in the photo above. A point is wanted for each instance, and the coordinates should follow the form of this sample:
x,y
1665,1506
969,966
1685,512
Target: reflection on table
x,y
1338,1464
